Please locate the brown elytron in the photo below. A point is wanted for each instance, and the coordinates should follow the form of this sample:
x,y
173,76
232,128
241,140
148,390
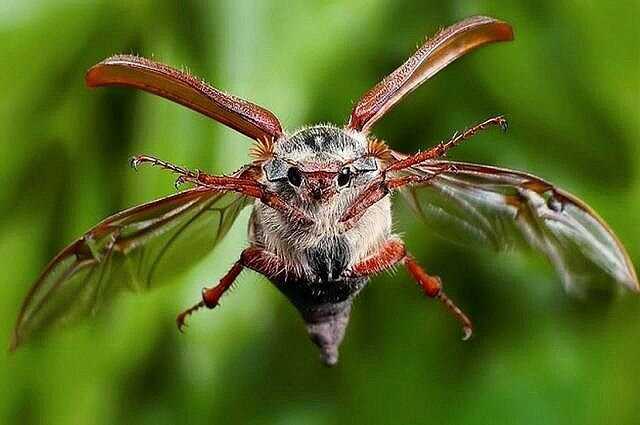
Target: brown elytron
x,y
156,78
321,220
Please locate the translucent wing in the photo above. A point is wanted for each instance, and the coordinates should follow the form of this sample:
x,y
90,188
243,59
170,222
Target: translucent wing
x,y
185,89
135,249
435,54
502,208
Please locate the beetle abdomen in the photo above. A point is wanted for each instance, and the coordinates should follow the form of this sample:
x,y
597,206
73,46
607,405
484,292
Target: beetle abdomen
x,y
325,308
326,326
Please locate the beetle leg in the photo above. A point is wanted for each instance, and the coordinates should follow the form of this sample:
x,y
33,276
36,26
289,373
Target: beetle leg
x,y
432,286
264,262
390,254
211,296
394,252
246,186
442,148
253,258
183,173
380,188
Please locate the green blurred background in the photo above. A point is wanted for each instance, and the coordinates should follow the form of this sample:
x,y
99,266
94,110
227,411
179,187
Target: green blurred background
x,y
570,86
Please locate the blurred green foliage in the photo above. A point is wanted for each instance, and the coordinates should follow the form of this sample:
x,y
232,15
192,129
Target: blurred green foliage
x,y
570,85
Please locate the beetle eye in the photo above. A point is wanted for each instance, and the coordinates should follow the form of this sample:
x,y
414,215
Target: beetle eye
x,y
344,176
294,176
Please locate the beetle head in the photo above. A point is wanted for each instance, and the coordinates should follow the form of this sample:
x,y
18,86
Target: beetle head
x,y
319,165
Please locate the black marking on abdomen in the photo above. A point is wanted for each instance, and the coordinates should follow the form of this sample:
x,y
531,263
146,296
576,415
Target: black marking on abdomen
x,y
325,308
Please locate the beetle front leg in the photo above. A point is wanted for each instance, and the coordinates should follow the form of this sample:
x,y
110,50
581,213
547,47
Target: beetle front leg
x,y
380,188
184,174
240,184
442,148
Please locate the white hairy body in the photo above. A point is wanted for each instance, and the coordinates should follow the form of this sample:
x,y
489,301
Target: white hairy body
x,y
291,243
294,243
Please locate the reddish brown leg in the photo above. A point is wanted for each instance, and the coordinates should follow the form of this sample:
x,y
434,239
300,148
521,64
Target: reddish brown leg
x,y
378,189
263,262
183,173
391,253
246,186
432,286
443,147
394,252
253,258
211,296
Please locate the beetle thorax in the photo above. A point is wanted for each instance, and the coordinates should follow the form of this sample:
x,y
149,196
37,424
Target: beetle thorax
x,y
319,155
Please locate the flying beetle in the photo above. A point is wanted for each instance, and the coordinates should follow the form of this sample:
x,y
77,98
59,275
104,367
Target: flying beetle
x,y
321,217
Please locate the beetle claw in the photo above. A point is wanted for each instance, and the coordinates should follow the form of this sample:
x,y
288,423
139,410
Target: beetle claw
x,y
468,332
503,123
181,319
179,182
134,162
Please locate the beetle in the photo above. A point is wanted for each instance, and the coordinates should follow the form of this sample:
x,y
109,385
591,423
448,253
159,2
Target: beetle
x,y
321,216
